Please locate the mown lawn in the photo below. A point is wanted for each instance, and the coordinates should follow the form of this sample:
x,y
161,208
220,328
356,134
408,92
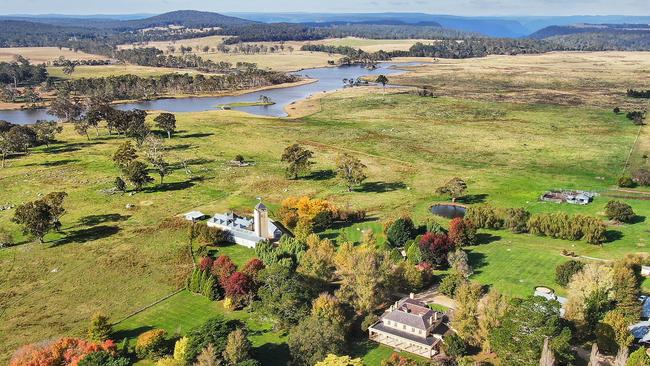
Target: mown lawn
x,y
116,260
186,311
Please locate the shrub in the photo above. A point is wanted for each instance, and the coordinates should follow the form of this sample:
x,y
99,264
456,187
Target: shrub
x,y
565,271
237,287
454,346
368,320
563,226
434,227
401,231
169,361
434,249
619,211
223,268
639,358
103,358
180,349
151,344
213,332
100,328
6,239
642,177
516,220
626,182
462,232
413,254
450,283
212,235
485,217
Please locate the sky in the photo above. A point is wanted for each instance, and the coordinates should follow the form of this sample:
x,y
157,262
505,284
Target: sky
x,y
455,7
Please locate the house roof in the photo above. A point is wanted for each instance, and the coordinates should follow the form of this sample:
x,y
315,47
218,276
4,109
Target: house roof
x,y
412,313
260,206
645,309
195,215
641,331
428,341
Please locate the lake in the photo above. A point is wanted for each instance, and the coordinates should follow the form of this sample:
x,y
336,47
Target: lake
x,y
448,211
329,79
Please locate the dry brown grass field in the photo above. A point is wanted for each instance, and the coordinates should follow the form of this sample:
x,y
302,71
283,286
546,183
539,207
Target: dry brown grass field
x,y
45,54
566,78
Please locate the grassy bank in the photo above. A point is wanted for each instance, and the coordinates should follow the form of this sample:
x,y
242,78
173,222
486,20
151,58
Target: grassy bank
x,y
115,259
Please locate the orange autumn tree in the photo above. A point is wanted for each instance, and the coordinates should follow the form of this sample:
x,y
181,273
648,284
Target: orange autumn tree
x,y
314,212
64,351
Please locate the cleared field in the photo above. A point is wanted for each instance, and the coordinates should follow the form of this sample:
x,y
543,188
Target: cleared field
x,y
116,70
374,45
45,54
567,78
117,260
284,60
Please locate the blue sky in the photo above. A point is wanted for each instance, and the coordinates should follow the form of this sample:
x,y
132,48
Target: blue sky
x,y
456,7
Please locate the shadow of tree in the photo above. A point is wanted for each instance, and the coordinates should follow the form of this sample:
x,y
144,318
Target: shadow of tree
x,y
76,146
321,175
613,235
178,147
54,163
94,220
638,219
175,186
472,198
196,135
272,354
88,234
130,333
476,260
486,238
380,187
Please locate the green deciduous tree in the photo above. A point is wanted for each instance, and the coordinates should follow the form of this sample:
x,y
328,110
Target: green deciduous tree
x,y
238,347
466,312
518,340
46,131
313,339
166,122
566,270
36,219
455,188
401,231
137,173
298,160
124,155
619,211
350,170
100,328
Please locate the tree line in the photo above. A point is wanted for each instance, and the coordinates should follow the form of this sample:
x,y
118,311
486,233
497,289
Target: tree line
x,y
136,87
21,72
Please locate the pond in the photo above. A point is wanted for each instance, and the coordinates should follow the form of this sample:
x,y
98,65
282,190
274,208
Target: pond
x,y
448,211
329,79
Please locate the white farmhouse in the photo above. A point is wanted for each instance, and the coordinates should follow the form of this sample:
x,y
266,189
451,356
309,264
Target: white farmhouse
x,y
249,231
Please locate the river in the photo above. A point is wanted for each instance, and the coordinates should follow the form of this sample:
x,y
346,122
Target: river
x,y
329,79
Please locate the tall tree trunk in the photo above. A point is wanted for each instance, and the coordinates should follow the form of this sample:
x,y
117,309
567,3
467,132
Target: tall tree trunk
x,y
621,356
594,358
169,135
548,357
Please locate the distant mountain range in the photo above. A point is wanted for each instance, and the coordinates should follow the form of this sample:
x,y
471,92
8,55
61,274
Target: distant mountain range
x,y
491,26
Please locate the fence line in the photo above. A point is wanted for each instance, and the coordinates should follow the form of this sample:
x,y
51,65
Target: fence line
x,y
150,305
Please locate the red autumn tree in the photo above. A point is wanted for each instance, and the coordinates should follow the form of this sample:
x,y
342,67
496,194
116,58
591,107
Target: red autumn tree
x,y
434,249
253,267
462,232
206,263
222,268
62,352
238,289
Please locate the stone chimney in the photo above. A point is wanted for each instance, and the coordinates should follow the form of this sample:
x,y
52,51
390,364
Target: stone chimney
x,y
261,221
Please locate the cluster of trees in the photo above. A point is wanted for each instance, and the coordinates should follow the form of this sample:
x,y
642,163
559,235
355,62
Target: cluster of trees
x,y
306,215
135,87
63,62
645,94
151,56
349,169
603,300
562,226
490,217
21,72
352,55
216,342
17,139
40,217
250,49
219,278
555,225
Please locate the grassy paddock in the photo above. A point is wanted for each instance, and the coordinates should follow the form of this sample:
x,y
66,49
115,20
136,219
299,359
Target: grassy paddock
x,y
117,260
39,55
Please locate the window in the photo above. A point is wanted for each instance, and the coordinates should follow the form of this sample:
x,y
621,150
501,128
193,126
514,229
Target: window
x,y
412,330
404,327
